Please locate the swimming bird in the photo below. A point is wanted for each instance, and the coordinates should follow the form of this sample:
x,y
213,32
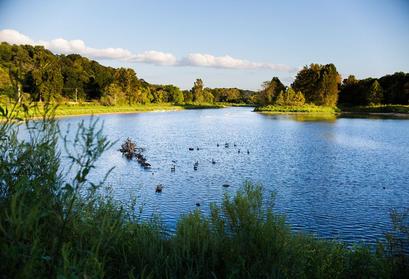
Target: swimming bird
x,y
159,188
191,148
213,161
238,151
248,152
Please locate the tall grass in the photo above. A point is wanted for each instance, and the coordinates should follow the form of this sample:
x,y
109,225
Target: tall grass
x,y
58,225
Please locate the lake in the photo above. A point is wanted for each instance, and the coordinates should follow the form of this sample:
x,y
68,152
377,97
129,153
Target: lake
x,y
336,178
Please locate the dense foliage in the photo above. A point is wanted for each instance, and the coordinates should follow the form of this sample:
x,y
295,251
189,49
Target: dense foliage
x,y
61,225
35,74
43,76
389,89
319,84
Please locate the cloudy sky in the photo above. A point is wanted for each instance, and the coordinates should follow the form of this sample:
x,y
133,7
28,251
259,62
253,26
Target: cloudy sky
x,y
226,43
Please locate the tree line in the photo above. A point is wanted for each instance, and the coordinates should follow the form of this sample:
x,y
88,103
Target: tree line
x,y
321,85
35,73
43,76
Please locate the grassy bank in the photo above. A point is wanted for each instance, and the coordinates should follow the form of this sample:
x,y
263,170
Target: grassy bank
x,y
90,108
399,109
296,109
55,227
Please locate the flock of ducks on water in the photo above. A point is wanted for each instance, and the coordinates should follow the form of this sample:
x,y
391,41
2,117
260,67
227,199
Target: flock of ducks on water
x,y
160,187
129,150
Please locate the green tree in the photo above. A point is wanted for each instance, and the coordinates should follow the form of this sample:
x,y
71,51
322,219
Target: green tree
x,y
208,96
159,95
319,84
75,76
375,94
174,94
270,90
46,74
127,80
112,95
289,98
197,91
187,96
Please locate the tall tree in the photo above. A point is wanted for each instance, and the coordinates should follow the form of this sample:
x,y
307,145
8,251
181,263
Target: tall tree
x,y
375,94
270,90
129,84
174,94
289,98
47,76
319,84
197,91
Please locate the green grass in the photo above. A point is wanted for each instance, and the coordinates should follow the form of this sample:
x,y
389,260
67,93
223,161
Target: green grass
x,y
90,108
57,226
296,109
202,105
404,109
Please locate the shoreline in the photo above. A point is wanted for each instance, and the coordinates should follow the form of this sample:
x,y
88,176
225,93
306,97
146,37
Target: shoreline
x,y
63,111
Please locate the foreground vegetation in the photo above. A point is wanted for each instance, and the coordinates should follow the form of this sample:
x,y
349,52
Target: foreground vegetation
x,y
59,225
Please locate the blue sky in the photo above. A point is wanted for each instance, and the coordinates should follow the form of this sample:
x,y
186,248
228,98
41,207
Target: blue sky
x,y
226,43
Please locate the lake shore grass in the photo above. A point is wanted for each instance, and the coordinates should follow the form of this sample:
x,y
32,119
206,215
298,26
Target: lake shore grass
x,y
90,108
296,109
392,109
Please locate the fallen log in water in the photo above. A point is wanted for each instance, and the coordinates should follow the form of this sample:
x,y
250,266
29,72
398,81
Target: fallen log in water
x,y
128,148
130,151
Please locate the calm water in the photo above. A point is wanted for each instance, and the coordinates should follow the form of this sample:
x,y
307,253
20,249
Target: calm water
x,y
338,179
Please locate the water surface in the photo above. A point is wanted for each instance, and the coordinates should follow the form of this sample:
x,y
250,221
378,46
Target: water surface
x,y
337,178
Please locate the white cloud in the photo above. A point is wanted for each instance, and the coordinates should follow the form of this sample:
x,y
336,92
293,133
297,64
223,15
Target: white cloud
x,y
63,46
154,57
78,46
14,37
228,62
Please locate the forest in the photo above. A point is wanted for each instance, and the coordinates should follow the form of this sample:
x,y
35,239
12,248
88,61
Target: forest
x,y
34,73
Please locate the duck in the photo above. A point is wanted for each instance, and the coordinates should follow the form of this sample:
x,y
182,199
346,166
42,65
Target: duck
x,y
213,161
159,188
